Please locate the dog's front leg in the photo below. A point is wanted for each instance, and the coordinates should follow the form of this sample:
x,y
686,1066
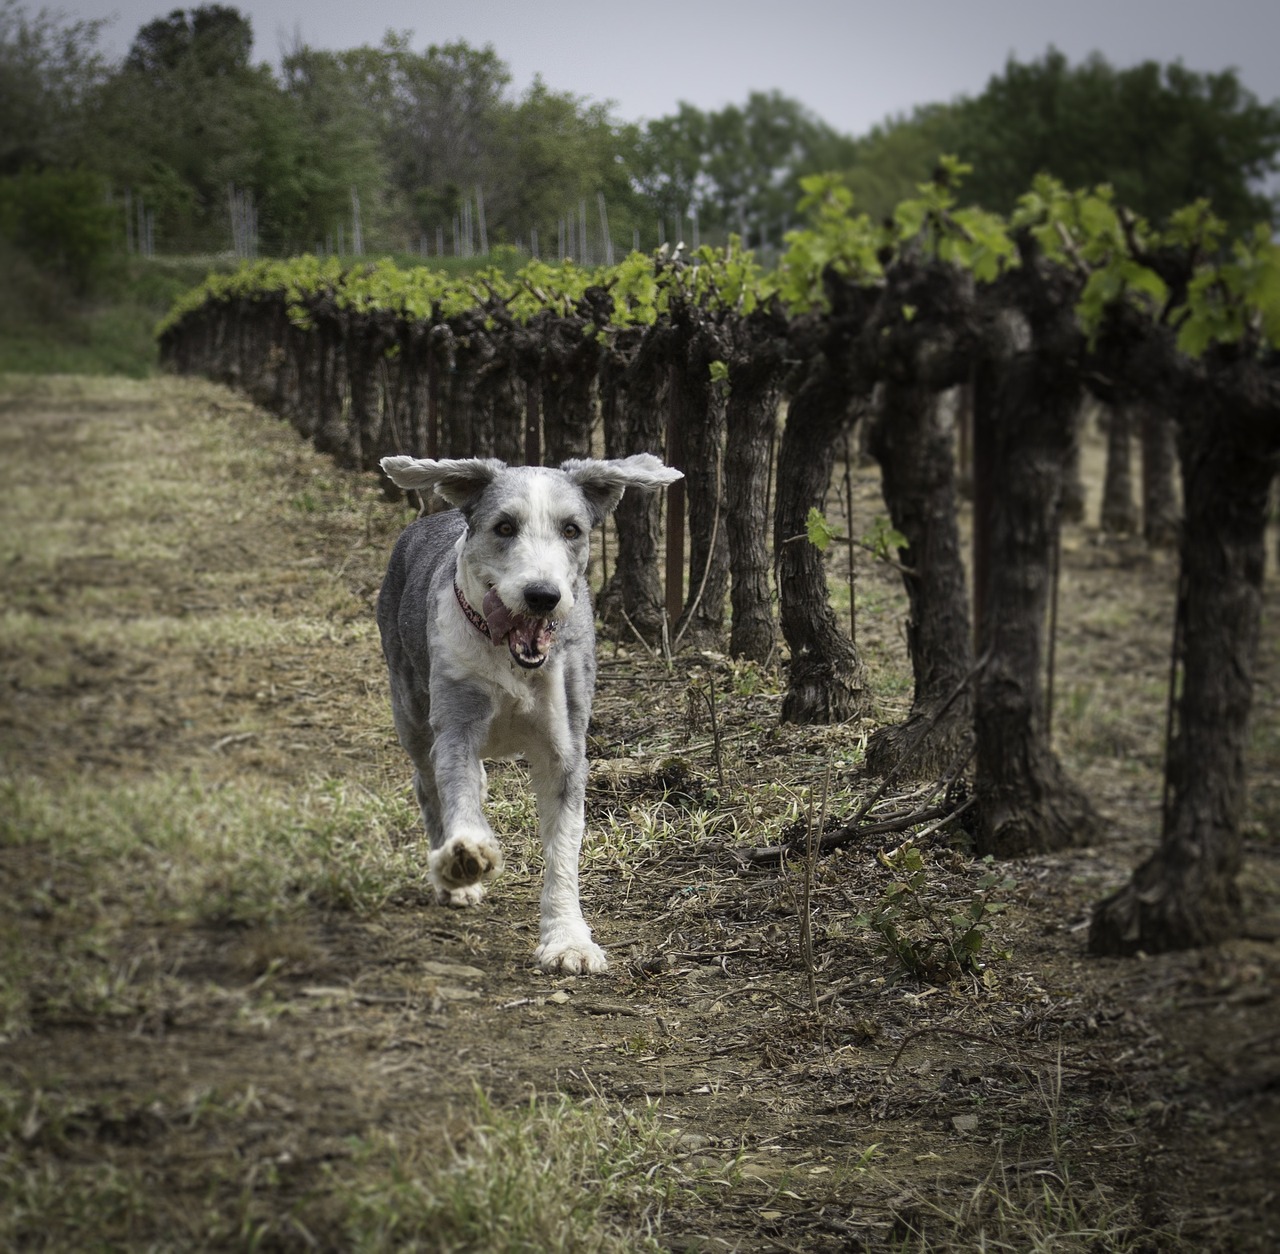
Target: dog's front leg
x,y
564,939
466,853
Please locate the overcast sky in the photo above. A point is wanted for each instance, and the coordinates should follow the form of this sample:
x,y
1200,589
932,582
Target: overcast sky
x,y
852,63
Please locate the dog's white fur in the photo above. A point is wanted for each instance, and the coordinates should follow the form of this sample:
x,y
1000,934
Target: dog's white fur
x,y
518,535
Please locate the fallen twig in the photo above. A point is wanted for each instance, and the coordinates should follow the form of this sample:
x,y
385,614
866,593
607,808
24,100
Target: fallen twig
x,y
771,855
986,1039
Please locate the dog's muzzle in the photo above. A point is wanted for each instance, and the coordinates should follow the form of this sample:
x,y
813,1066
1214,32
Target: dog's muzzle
x,y
528,638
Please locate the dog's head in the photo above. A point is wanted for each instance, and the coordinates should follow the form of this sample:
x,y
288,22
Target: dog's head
x,y
526,548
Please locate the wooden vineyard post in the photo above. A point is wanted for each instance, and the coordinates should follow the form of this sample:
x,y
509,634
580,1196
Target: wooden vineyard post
x,y
433,403
980,438
675,505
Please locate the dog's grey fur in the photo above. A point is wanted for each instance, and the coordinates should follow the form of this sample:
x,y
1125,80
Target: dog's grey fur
x,y
515,547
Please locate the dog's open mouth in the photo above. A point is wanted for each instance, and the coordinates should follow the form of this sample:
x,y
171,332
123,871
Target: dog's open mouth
x,y
529,639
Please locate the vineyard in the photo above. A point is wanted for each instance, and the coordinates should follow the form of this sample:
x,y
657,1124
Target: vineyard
x,y
231,1016
862,328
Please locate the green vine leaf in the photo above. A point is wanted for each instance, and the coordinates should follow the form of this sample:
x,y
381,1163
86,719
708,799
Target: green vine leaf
x,y
819,531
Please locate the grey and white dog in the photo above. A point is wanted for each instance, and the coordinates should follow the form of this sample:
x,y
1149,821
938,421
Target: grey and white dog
x,y
489,639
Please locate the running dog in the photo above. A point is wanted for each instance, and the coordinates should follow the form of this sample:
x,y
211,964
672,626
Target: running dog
x,y
489,639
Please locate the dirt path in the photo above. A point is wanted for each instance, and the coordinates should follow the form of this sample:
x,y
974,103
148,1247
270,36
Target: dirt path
x,y
229,1017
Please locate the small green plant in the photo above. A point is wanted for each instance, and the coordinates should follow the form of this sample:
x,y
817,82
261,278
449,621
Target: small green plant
x,y
881,540
933,939
750,678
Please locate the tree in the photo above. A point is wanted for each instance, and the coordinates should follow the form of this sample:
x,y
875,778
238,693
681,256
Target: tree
x,y
50,70
214,40
331,145
737,169
61,219
754,159
556,152
186,115
669,164
889,162
1162,136
442,109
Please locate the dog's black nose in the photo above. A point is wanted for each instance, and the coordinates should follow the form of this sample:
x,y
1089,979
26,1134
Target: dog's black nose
x,y
541,598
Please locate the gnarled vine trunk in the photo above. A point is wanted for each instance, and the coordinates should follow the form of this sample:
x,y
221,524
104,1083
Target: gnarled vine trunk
x,y
1119,515
702,458
1160,511
1025,403
912,441
1072,501
633,395
570,363
331,435
751,415
1185,894
826,681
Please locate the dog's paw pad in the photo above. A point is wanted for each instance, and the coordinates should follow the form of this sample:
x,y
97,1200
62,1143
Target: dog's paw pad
x,y
468,895
467,866
571,958
462,863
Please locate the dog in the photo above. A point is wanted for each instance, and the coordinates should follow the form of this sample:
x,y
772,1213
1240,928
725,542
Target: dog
x,y
489,639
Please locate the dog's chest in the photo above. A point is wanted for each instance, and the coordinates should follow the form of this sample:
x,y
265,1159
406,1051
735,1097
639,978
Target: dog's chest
x,y
514,729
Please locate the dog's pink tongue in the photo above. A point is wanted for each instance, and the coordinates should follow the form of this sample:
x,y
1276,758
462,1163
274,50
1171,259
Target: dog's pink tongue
x,y
496,614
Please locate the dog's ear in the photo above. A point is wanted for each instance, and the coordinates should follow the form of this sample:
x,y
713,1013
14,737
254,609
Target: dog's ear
x,y
604,482
459,481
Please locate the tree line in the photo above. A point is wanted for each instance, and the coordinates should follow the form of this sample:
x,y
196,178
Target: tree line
x,y
862,322
398,147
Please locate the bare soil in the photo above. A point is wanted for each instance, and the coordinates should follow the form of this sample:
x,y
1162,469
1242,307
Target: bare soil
x,y
1148,1090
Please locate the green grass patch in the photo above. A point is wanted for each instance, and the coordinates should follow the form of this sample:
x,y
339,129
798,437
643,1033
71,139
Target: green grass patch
x,y
554,1174
103,860
48,328
246,854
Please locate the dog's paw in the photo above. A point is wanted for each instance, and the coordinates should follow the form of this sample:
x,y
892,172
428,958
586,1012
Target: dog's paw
x,y
571,952
456,870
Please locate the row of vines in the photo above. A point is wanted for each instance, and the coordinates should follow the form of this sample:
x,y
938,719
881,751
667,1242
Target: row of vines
x,y
693,357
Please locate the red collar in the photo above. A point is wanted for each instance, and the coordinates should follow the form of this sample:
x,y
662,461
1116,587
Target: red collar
x,y
475,619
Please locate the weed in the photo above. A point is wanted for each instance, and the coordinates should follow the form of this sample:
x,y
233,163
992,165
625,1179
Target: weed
x,y
750,678
931,939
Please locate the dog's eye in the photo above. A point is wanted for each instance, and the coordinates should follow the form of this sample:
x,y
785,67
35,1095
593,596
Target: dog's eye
x,y
571,531
505,529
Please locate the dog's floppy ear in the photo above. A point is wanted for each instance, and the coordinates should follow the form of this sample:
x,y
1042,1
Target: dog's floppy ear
x,y
459,481
604,482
